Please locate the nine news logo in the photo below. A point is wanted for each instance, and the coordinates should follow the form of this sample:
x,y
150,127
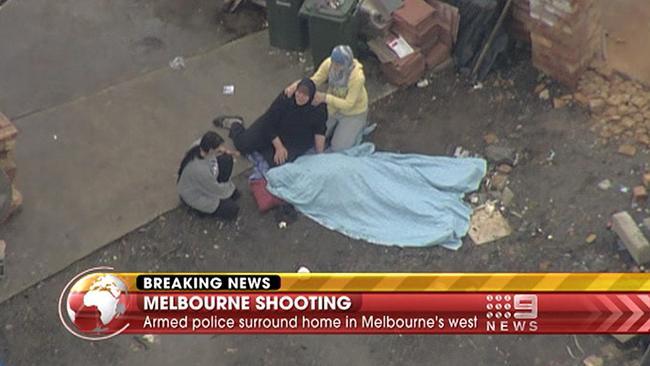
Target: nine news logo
x,y
508,313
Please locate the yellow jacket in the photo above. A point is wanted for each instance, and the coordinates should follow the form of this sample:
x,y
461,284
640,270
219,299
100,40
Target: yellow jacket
x,y
355,101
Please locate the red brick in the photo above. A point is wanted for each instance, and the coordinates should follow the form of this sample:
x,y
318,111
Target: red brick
x,y
640,194
646,179
437,55
16,203
4,121
8,145
11,173
16,199
7,155
628,150
7,165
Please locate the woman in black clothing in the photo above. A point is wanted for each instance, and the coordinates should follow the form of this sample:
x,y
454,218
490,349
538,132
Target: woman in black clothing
x,y
290,127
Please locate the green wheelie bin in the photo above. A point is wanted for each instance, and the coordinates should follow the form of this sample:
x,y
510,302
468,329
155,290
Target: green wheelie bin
x,y
331,23
287,30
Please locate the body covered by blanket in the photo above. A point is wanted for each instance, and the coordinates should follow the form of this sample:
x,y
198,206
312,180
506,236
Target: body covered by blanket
x,y
384,198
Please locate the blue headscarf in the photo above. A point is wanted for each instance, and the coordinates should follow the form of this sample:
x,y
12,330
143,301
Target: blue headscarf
x,y
343,56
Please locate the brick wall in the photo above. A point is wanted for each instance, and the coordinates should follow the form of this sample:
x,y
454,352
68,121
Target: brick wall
x,y
8,134
566,35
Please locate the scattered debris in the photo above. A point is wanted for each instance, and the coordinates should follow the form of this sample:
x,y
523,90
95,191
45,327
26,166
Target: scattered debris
x,y
639,194
624,338
545,94
303,269
568,349
581,99
636,243
423,83
605,184
461,152
504,168
500,154
228,89
498,182
150,338
490,138
231,350
619,108
559,103
55,137
478,86
597,105
646,180
282,225
575,340
488,225
507,196
627,150
591,238
178,63
624,189
593,361
551,156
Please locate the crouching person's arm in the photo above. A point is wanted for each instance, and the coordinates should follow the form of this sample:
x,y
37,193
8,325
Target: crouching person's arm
x,y
281,152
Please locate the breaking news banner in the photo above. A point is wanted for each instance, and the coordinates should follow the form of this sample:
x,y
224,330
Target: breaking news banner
x,y
100,304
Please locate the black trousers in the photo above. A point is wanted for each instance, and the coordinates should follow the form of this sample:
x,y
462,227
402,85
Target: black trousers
x,y
226,163
255,138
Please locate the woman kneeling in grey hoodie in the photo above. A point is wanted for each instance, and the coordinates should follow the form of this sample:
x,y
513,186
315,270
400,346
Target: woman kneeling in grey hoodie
x,y
204,178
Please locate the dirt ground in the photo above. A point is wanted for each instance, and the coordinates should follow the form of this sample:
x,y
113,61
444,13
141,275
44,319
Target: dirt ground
x,y
558,199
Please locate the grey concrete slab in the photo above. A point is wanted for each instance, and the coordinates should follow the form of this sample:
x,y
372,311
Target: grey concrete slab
x,y
55,51
96,168
99,167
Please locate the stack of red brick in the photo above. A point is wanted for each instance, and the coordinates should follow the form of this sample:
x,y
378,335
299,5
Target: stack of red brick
x,y
566,35
8,134
520,21
431,30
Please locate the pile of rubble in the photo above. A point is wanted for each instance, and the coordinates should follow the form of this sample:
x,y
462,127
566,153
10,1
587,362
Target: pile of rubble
x,y
8,134
488,224
421,36
620,108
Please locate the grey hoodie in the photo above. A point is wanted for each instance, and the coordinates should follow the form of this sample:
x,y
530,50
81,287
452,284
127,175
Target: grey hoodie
x,y
199,188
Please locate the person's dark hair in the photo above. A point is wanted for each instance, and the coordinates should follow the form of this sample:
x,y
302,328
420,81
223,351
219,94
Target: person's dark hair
x,y
210,141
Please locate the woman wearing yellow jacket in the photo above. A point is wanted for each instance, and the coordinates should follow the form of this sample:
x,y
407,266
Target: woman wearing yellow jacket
x,y
346,97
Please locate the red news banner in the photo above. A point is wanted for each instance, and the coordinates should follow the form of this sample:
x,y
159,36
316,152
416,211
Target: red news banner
x,y
361,304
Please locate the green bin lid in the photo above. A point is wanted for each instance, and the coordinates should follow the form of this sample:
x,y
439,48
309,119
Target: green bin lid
x,y
337,10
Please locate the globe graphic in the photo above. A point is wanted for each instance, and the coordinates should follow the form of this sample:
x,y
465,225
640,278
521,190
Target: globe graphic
x,y
95,304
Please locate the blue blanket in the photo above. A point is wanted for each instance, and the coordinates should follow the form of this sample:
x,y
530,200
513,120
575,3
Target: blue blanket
x,y
383,198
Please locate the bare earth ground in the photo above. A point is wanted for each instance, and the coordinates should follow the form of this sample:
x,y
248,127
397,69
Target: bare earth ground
x,y
562,197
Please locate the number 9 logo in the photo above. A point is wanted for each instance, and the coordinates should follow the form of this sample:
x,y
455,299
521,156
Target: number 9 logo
x,y
525,306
